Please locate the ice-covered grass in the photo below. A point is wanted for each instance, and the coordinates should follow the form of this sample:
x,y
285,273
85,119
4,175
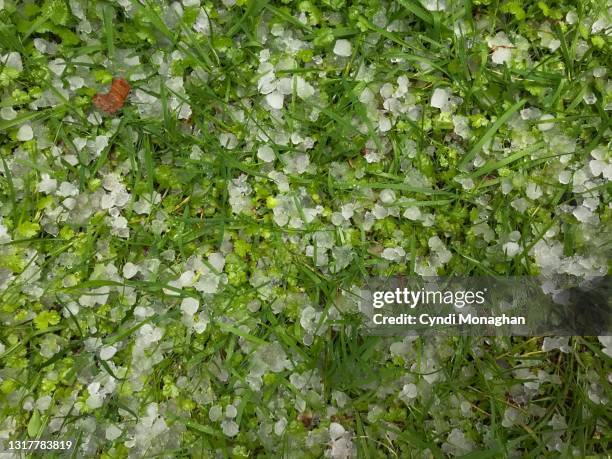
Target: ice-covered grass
x,y
176,279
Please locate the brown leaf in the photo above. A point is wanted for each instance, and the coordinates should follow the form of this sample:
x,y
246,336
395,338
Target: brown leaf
x,y
115,98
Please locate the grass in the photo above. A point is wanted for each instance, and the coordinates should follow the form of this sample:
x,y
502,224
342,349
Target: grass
x,y
255,354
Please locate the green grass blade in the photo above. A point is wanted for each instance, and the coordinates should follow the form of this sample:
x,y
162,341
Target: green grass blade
x,y
488,136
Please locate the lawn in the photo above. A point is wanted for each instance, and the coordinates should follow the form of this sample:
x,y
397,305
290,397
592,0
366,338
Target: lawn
x,y
178,263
